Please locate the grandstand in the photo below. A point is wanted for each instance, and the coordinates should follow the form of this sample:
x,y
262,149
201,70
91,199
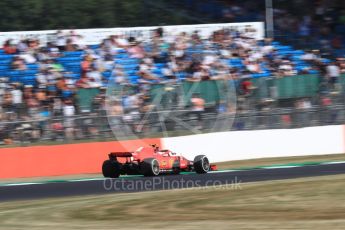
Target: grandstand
x,y
48,80
71,60
312,25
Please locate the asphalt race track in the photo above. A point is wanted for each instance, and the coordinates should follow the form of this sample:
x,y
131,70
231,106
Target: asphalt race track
x,y
138,184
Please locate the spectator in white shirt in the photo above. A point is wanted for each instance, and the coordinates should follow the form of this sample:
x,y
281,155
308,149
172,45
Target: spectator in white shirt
x,y
333,73
17,95
60,40
41,79
68,112
68,109
95,78
121,41
80,42
17,100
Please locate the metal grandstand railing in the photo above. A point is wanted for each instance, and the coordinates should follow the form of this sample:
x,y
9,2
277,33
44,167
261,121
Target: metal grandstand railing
x,y
95,127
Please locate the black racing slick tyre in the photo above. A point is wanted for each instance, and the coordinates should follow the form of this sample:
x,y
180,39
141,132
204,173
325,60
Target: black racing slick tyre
x,y
150,167
111,169
201,164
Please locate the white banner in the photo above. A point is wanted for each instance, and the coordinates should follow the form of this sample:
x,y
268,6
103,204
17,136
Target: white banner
x,y
95,36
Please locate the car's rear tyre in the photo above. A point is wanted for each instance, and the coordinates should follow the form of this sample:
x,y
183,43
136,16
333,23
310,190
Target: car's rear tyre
x,y
111,169
150,167
201,164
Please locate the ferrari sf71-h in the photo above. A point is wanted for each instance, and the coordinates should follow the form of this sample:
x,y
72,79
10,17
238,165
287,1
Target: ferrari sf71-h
x,y
151,161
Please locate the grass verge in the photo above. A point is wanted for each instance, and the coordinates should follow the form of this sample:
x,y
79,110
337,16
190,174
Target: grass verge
x,y
306,203
281,160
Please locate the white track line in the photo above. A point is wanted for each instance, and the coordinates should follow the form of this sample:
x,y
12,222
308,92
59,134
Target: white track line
x,y
282,167
332,162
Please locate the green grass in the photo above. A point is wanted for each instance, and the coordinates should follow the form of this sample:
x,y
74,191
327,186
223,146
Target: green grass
x,y
281,160
307,203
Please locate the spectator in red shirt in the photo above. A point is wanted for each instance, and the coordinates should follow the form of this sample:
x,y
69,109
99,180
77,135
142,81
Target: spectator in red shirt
x,y
86,64
246,87
9,47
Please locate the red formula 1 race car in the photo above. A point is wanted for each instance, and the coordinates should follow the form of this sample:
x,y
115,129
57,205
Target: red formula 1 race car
x,y
151,161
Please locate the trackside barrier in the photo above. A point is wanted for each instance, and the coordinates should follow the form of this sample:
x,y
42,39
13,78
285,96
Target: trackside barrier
x,y
42,161
241,145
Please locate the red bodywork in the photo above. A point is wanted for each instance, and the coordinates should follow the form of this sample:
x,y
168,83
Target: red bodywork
x,y
166,158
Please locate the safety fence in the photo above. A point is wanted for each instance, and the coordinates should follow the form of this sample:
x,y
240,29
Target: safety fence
x,y
163,123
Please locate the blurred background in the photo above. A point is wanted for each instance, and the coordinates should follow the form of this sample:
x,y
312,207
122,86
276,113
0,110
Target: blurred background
x,y
55,89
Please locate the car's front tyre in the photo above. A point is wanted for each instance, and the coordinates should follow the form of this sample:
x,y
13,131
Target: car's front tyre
x,y
201,164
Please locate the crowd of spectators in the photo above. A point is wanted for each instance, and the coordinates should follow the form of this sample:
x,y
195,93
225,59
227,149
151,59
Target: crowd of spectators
x,y
165,59
318,24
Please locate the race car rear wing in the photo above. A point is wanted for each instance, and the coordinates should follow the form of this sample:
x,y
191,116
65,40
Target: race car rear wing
x,y
120,154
